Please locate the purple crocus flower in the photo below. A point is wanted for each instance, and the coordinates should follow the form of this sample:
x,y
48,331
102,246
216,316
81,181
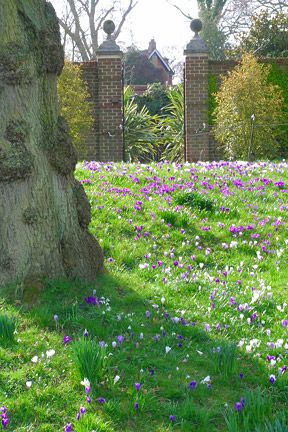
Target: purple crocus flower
x,y
241,375
147,314
136,406
66,340
270,357
172,418
68,427
192,385
137,386
82,410
120,339
4,417
101,400
284,323
232,301
238,406
56,318
91,300
272,379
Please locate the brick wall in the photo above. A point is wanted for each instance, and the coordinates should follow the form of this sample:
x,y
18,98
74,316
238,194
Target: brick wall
x,y
110,104
196,107
105,84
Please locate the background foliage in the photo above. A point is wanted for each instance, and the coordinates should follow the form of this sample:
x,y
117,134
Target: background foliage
x,y
155,98
267,36
280,78
74,106
246,94
140,131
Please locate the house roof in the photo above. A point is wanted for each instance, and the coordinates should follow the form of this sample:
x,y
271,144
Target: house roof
x,y
163,61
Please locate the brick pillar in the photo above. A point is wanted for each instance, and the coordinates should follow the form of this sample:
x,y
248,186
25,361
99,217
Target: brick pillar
x,y
110,143
196,97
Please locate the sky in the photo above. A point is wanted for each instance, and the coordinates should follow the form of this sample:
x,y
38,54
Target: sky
x,y
155,19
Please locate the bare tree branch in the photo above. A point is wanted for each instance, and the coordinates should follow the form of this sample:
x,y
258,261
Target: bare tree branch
x,y
84,20
131,6
75,38
183,13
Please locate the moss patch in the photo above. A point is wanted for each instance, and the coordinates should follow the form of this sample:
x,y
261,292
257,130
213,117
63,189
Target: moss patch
x,y
16,162
60,151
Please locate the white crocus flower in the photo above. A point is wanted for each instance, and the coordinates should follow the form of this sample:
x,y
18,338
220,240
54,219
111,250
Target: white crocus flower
x,y
116,379
50,353
206,380
85,382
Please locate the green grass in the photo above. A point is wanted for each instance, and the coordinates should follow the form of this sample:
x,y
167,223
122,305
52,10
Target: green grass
x,y
216,301
7,330
90,360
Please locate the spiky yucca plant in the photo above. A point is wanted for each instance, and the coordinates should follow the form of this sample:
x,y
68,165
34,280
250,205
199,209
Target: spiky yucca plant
x,y
172,126
140,130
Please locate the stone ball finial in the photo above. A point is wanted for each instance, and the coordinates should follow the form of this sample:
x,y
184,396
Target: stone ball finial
x,y
196,25
109,27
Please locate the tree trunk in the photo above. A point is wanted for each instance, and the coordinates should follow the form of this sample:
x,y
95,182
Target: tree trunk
x,y
44,212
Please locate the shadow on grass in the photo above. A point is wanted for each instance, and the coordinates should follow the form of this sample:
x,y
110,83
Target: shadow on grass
x,y
165,360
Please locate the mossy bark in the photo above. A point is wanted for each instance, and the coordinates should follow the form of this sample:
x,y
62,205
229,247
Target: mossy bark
x,y
44,213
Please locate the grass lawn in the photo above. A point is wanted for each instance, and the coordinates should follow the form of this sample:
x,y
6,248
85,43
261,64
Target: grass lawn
x,y
188,328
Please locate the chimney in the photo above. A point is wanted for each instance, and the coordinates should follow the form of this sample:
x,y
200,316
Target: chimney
x,y
152,46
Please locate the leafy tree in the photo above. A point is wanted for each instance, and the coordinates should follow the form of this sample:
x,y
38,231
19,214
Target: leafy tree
x,y
139,69
223,19
74,106
248,111
267,36
211,13
172,126
155,98
140,130
215,39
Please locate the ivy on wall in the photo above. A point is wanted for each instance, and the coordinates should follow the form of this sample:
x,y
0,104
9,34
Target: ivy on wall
x,y
212,88
279,77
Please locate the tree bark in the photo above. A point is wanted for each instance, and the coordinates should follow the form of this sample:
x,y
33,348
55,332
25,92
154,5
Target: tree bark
x,y
44,212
